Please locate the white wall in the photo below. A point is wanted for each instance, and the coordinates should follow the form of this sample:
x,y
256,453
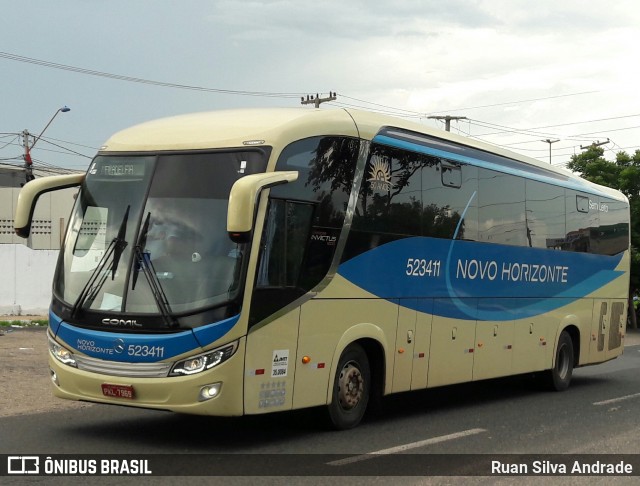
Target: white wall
x,y
26,278
49,218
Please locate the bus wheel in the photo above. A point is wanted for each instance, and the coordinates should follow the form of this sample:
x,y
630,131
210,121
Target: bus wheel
x,y
351,388
559,377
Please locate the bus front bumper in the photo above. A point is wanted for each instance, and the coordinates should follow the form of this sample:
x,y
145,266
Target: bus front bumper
x,y
217,391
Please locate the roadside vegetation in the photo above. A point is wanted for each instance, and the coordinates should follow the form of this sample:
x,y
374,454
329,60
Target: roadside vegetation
x,y
11,321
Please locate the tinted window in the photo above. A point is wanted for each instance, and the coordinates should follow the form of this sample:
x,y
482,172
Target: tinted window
x,y
304,221
444,206
390,195
545,217
501,208
582,227
614,232
389,205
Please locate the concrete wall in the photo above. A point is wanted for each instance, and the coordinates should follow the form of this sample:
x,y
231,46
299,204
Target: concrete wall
x,y
26,266
49,218
26,278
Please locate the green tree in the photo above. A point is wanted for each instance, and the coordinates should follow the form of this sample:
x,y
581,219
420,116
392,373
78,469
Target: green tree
x,y
622,174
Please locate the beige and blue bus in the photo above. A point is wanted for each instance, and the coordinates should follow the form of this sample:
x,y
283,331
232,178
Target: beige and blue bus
x,y
252,261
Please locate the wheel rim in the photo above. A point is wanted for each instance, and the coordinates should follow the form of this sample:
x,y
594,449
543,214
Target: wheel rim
x,y
350,386
563,362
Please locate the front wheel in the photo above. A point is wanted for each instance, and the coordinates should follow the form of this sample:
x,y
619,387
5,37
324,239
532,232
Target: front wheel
x,y
351,388
559,377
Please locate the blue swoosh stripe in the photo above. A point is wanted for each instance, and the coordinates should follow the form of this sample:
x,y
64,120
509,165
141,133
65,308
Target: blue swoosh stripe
x,y
462,291
138,348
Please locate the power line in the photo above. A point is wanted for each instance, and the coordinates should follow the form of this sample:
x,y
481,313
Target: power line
x,y
412,113
531,100
425,114
72,143
504,129
385,108
11,142
120,77
530,131
65,148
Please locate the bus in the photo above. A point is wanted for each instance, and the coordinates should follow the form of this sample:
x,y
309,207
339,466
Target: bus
x,y
260,260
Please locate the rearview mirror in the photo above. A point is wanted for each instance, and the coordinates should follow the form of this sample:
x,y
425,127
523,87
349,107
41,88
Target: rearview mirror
x,y
30,193
242,201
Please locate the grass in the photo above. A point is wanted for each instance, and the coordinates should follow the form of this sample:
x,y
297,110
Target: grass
x,y
24,322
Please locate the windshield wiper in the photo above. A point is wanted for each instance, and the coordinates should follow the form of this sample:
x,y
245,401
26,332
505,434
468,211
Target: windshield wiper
x,y
143,262
99,275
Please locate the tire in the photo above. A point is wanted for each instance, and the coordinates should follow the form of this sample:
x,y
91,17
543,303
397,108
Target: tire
x,y
351,389
559,377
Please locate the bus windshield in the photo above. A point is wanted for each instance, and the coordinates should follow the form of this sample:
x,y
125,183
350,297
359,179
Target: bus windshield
x,y
148,230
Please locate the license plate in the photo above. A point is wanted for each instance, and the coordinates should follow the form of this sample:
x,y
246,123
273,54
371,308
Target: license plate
x,y
117,391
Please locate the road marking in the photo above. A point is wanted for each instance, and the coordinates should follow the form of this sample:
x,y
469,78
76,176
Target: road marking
x,y
406,447
615,400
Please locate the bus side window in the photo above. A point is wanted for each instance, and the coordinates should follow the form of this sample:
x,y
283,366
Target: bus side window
x,y
282,253
304,221
284,240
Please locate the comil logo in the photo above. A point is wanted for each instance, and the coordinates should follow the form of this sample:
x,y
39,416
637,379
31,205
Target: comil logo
x,y
23,465
380,174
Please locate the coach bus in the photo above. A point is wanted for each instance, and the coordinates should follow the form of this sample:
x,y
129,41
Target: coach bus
x,y
252,261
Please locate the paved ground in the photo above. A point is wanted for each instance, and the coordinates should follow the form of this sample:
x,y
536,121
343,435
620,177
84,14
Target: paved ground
x,y
24,372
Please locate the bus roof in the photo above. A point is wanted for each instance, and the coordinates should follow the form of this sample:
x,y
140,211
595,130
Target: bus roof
x,y
277,127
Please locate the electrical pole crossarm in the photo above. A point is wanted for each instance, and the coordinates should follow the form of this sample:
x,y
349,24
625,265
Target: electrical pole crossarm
x,y
597,143
311,100
447,120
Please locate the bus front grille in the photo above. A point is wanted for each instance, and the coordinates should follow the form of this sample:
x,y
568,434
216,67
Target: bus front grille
x,y
114,368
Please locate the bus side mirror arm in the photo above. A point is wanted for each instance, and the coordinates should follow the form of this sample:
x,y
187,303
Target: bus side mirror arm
x,y
32,190
243,197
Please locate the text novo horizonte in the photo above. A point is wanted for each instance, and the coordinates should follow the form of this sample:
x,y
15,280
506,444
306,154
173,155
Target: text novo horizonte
x,y
511,271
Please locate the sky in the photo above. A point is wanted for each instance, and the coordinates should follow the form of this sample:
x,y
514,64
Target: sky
x,y
521,72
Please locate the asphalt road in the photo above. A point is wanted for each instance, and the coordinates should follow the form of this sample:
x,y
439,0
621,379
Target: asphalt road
x,y
597,415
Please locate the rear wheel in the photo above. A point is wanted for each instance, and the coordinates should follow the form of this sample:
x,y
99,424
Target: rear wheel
x,y
559,377
351,388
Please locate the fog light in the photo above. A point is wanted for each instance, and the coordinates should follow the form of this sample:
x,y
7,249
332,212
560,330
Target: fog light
x,y
54,377
209,391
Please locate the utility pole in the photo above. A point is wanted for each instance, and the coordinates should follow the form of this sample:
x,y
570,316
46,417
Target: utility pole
x,y
549,141
317,100
447,120
28,163
597,143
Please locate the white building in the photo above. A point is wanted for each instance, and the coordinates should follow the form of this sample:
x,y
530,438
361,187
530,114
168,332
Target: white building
x,y
26,268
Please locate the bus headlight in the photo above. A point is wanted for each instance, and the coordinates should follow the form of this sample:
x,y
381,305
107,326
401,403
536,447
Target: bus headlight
x,y
204,361
61,353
